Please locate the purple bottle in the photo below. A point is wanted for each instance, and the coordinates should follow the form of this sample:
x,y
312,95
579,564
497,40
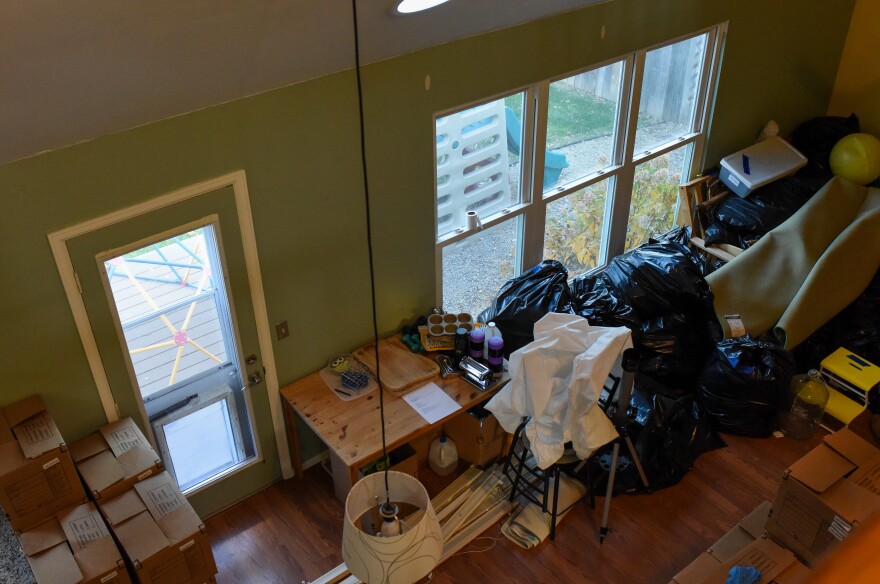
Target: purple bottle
x,y
496,355
476,348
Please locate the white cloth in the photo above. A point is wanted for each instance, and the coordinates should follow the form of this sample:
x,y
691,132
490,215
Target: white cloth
x,y
530,526
557,380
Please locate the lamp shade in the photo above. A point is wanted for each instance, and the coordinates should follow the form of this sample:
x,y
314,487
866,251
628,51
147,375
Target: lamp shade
x,y
398,559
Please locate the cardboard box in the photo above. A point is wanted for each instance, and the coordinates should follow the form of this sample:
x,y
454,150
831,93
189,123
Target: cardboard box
x,y
744,545
74,547
114,458
825,495
162,538
477,435
403,459
37,476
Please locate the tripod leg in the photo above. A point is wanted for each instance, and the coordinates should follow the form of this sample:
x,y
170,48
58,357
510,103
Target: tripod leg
x,y
636,461
603,530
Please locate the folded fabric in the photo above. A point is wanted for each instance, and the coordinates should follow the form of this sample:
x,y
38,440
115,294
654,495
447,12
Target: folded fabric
x,y
557,380
806,270
530,526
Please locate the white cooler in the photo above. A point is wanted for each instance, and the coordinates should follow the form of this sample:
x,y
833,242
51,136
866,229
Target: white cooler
x,y
759,164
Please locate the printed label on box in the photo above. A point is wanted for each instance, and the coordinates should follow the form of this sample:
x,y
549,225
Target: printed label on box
x,y
871,480
35,429
85,530
839,528
195,559
737,328
29,494
123,440
733,180
164,499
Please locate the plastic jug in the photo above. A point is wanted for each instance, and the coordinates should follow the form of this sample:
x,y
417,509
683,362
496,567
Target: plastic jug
x,y
808,398
443,456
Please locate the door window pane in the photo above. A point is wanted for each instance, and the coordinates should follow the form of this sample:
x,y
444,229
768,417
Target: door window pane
x,y
475,268
573,231
669,93
477,162
179,338
581,116
201,443
654,197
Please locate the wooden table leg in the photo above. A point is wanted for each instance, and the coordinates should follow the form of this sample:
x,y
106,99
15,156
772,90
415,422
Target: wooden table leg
x,y
292,439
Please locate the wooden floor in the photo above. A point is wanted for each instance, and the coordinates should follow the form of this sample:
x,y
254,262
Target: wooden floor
x,y
291,532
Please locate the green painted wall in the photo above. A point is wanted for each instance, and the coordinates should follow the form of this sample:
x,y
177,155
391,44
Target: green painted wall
x,y
299,148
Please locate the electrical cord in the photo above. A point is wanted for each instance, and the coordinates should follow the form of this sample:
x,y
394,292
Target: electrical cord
x,y
360,95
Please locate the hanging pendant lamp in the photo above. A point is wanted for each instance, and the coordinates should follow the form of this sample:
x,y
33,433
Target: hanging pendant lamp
x,y
404,550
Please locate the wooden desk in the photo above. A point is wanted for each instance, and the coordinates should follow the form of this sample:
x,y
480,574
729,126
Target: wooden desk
x,y
352,429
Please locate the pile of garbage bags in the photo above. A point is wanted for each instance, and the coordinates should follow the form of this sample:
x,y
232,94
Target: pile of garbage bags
x,y
657,291
690,383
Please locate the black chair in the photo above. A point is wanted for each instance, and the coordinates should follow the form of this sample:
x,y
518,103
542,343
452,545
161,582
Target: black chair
x,y
534,483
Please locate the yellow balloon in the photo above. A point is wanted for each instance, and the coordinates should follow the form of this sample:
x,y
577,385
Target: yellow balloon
x,y
856,158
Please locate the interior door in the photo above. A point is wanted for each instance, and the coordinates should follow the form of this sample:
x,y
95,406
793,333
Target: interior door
x,y
170,308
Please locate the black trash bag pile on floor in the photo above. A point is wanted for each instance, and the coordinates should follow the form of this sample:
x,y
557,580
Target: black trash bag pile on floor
x,y
742,221
743,385
668,432
659,293
856,327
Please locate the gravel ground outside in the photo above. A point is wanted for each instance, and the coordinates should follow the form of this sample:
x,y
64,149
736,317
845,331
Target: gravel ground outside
x,y
476,268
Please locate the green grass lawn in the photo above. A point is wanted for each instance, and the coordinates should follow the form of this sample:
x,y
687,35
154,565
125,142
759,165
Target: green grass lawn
x,y
573,116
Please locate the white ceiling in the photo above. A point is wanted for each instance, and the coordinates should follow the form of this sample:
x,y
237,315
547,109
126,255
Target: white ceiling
x,y
73,70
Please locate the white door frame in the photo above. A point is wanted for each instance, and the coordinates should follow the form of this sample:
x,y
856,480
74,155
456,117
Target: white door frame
x,y
236,180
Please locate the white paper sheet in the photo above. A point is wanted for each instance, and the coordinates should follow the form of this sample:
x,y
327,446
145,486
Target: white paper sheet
x,y
431,402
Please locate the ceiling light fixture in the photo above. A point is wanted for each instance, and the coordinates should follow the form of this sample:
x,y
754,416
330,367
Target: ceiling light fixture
x,y
413,6
402,551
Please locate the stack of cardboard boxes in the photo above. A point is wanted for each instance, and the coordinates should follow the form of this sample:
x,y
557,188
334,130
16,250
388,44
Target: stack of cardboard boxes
x,y
139,526
822,499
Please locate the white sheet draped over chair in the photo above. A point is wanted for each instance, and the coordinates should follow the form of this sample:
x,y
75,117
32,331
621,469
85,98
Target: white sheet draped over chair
x,y
557,380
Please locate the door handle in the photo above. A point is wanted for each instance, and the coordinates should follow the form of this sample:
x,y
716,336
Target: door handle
x,y
254,378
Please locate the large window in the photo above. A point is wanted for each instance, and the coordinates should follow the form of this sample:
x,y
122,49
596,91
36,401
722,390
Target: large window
x,y
577,169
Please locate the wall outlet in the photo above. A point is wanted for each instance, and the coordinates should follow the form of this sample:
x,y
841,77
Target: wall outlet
x,y
281,330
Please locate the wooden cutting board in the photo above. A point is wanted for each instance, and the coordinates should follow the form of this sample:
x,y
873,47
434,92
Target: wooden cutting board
x,y
400,368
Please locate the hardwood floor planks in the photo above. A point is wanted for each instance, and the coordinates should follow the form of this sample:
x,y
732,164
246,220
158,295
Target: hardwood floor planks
x,y
291,532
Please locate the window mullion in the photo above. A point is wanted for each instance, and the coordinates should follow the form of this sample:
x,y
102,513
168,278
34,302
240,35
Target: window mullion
x,y
535,215
711,71
618,214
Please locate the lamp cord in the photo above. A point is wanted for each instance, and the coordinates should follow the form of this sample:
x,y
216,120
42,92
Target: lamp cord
x,y
360,95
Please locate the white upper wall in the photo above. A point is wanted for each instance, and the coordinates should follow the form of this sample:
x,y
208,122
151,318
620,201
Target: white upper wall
x,y
74,71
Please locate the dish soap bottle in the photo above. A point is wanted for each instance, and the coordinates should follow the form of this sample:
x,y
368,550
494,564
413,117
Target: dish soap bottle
x,y
809,396
443,456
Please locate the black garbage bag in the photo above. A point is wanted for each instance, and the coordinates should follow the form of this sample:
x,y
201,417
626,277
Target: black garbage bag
x,y
595,300
660,278
743,384
677,433
522,302
659,293
856,327
672,349
816,137
668,433
741,221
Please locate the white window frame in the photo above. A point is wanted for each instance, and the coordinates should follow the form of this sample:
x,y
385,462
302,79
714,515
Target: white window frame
x,y
620,173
